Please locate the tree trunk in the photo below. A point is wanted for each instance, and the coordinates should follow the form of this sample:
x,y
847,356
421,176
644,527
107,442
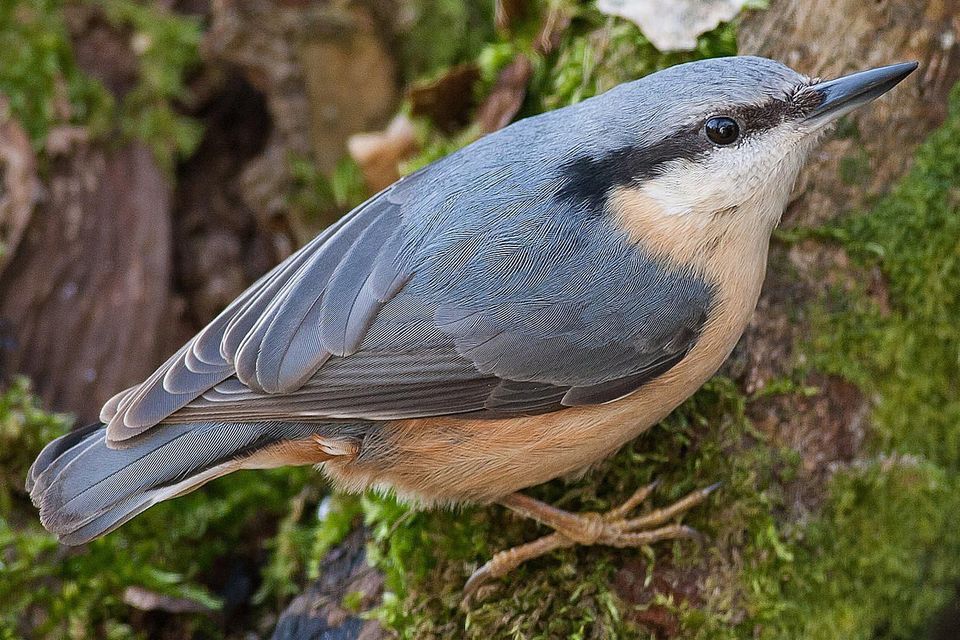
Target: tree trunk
x,y
85,299
120,263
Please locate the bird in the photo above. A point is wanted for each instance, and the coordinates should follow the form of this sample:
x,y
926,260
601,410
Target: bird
x,y
514,312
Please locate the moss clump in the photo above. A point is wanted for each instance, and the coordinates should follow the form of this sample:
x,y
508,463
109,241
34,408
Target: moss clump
x,y
167,49
38,74
45,87
909,356
317,200
876,562
465,26
24,429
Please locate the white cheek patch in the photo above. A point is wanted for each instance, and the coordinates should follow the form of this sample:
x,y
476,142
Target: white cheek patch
x,y
681,188
760,171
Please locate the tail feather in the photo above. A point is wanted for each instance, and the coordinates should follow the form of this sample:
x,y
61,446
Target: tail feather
x,y
109,519
55,450
84,488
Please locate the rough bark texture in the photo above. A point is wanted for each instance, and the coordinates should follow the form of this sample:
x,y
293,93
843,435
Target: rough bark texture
x,y
219,246
86,307
20,186
116,267
320,611
85,300
325,73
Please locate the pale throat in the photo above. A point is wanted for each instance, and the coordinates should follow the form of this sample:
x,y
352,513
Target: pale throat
x,y
715,242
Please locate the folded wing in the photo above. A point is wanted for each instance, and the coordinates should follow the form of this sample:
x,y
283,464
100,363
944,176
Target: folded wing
x,y
436,298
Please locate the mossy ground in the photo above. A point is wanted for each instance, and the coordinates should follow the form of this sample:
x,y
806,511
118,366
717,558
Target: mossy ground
x,y
875,559
571,594
183,550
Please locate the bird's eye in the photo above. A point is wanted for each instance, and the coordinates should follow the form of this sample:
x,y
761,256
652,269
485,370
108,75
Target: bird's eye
x,y
722,130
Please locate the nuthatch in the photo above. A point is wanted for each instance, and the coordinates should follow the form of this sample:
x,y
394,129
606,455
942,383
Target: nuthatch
x,y
511,313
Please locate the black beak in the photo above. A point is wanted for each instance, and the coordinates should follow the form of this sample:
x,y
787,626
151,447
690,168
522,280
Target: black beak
x,y
843,95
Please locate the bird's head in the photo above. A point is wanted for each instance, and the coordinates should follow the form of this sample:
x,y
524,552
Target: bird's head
x,y
713,143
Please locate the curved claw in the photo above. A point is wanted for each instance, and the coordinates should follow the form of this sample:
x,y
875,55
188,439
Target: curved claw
x,y
504,562
473,584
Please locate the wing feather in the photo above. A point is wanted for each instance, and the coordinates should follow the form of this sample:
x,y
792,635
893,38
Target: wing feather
x,y
459,290
240,342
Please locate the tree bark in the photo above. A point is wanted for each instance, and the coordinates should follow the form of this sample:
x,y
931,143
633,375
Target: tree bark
x,y
85,300
120,263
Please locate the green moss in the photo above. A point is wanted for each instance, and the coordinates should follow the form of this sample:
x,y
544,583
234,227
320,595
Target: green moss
x,y
877,562
45,87
167,49
24,429
908,356
48,591
288,553
38,74
317,200
465,26
427,556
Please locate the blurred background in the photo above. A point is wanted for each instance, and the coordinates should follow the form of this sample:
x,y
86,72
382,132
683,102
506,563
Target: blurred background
x,y
157,156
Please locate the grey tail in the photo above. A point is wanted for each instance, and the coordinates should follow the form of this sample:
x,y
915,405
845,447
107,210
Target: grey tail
x,y
84,488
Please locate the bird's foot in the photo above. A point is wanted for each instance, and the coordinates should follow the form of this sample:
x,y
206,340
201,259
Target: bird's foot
x,y
614,528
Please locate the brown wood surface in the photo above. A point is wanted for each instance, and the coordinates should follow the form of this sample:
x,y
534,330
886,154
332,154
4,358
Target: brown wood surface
x,y
85,301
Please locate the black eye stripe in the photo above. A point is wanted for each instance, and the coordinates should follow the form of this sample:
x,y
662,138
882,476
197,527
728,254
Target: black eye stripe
x,y
587,180
767,115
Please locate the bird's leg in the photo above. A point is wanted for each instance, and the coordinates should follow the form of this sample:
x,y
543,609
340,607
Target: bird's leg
x,y
613,528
